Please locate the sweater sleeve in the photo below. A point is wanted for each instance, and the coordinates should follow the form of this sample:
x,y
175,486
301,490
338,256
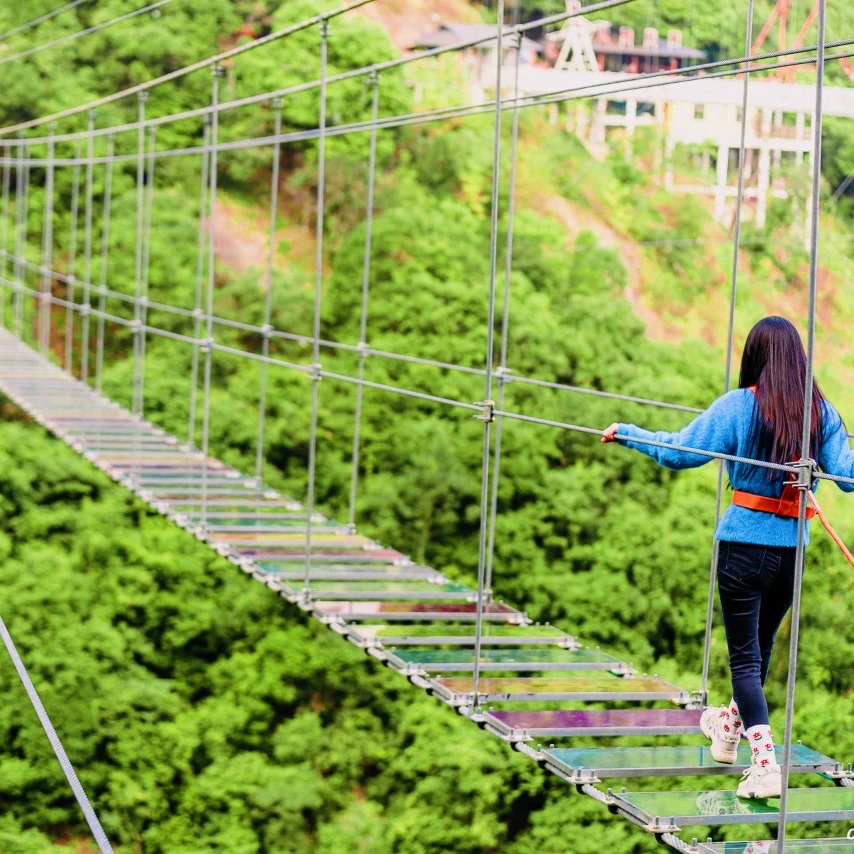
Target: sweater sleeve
x,y
713,430
835,456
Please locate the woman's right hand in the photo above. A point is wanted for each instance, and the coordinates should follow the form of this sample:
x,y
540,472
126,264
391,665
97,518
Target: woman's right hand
x,y
609,433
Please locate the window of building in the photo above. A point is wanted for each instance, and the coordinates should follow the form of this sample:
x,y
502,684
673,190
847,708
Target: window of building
x,y
699,112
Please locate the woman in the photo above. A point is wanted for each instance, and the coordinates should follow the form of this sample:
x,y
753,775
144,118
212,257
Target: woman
x,y
762,419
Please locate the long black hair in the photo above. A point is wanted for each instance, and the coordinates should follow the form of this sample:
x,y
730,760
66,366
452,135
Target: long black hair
x,y
774,363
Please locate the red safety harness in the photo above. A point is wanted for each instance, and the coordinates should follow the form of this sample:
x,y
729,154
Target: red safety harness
x,y
788,506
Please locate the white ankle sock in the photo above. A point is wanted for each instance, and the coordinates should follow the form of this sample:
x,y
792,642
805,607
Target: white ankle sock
x,y
733,718
762,746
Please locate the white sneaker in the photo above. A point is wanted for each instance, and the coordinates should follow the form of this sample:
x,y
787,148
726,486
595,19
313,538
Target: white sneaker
x,y
724,738
760,782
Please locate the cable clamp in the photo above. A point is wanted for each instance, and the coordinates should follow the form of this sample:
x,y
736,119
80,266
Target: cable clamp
x,y
316,372
85,309
325,29
488,414
103,290
135,325
206,345
142,96
45,296
806,479
277,103
363,349
143,302
218,70
198,313
373,79
502,372
266,330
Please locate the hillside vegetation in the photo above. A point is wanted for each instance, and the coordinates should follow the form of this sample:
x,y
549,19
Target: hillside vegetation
x,y
202,713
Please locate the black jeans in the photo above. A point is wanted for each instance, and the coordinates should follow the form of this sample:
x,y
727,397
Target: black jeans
x,y
756,586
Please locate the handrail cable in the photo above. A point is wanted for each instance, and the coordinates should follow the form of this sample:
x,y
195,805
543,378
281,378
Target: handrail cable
x,y
95,28
40,20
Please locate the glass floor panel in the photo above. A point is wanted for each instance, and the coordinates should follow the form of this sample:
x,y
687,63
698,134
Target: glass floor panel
x,y
323,554
408,589
707,808
553,658
793,846
671,760
603,686
463,635
597,722
414,611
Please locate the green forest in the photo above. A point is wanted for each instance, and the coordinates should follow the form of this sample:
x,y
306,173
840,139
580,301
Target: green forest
x,y
204,714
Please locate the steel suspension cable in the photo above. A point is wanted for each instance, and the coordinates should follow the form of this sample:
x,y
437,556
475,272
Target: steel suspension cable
x,y
208,62
362,346
488,404
318,283
201,255
670,76
64,762
96,28
742,162
268,293
41,19
807,425
501,372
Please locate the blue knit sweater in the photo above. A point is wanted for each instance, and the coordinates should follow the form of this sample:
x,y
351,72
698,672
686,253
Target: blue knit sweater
x,y
725,428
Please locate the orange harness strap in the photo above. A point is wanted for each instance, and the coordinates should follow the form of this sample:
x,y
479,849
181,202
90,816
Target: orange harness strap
x,y
787,506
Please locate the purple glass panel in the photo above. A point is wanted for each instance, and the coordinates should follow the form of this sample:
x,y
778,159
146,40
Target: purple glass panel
x,y
410,608
615,719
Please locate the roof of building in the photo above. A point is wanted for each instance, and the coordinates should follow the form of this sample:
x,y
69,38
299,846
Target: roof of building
x,y
452,33
662,49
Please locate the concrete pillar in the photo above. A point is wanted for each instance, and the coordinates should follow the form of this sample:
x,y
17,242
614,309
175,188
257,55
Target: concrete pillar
x,y
800,124
597,127
721,183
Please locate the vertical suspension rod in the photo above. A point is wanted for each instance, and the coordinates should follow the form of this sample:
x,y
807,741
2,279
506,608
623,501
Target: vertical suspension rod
x,y
218,72
200,278
72,260
105,255
742,158
505,326
268,294
807,425
318,282
4,226
363,312
86,306
47,248
21,212
488,404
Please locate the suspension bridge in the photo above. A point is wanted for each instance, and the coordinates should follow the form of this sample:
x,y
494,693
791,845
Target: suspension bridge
x,y
484,658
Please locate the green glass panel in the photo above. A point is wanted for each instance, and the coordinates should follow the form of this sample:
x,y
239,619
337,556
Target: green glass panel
x,y
672,757
724,807
541,684
793,846
554,655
